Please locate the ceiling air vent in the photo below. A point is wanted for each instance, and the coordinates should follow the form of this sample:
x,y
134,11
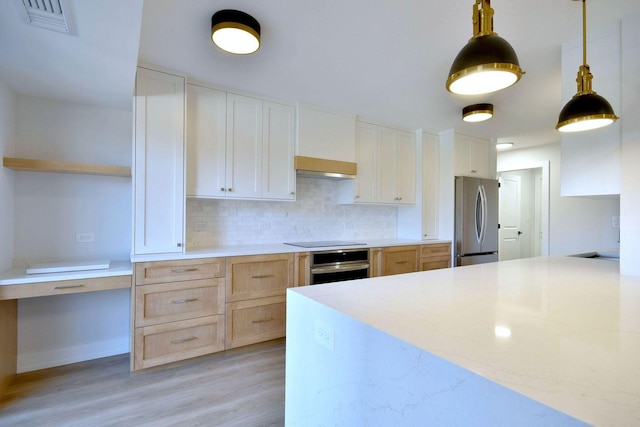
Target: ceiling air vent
x,y
50,14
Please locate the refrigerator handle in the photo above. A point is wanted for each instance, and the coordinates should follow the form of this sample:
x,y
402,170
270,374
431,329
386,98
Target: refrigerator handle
x,y
481,214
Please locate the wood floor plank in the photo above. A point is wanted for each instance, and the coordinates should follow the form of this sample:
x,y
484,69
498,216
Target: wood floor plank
x,y
243,387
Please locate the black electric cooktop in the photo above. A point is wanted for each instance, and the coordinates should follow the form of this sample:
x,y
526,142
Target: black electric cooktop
x,y
320,244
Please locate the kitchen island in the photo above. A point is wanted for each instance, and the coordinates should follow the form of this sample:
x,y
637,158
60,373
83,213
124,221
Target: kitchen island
x,y
539,341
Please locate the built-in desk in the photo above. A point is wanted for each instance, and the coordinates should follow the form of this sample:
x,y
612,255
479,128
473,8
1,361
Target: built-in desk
x,y
16,284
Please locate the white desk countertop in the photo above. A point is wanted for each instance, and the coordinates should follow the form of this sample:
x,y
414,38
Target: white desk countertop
x,y
18,276
563,331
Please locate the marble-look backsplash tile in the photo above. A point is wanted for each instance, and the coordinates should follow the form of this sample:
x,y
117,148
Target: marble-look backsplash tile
x,y
315,215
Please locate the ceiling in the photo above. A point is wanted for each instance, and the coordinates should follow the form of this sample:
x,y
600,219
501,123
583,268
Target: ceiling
x,y
382,60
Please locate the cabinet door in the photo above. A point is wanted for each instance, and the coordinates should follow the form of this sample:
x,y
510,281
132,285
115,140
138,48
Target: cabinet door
x,y
471,157
479,158
206,140
400,260
278,145
244,146
366,158
430,186
158,163
406,168
387,166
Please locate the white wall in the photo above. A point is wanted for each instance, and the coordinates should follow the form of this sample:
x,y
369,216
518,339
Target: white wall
x,y
630,186
577,224
51,208
7,112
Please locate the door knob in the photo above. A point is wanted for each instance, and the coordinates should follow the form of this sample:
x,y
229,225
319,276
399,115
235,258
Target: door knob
x,y
519,233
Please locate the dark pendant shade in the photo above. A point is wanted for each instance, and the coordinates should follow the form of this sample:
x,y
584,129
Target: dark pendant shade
x,y
585,112
488,63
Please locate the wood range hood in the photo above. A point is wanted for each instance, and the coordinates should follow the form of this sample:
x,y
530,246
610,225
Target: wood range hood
x,y
325,168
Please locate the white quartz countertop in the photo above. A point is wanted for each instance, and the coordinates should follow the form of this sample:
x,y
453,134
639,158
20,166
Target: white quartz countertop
x,y
275,248
19,276
563,331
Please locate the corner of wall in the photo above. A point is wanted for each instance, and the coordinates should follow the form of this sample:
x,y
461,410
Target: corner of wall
x,y
7,187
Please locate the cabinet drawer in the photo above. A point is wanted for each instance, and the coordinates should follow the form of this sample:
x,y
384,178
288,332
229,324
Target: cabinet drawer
x,y
435,263
258,276
439,249
170,342
254,321
63,287
400,260
175,271
168,302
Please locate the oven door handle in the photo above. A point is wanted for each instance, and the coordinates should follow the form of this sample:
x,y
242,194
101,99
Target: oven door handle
x,y
338,268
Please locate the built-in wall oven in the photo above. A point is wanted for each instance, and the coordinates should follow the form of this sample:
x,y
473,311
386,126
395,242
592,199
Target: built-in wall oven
x,y
339,265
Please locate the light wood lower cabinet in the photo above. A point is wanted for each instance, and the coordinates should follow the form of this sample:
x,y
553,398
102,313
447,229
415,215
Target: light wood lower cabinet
x,y
436,256
394,260
255,320
256,293
178,310
169,342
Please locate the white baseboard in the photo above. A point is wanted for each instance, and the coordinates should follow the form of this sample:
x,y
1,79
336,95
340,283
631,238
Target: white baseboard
x,y
63,356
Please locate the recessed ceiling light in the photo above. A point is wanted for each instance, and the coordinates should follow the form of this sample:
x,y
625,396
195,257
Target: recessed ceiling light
x,y
477,112
504,145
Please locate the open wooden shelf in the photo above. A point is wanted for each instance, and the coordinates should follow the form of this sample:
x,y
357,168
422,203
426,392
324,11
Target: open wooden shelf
x,y
36,165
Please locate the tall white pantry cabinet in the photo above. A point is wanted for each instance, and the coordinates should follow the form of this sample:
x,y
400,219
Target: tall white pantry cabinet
x,y
158,161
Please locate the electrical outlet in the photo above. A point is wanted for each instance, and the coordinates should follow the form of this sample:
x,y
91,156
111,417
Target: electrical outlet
x,y
324,335
85,237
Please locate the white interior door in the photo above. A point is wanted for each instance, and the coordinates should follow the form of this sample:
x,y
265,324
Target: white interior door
x,y
510,217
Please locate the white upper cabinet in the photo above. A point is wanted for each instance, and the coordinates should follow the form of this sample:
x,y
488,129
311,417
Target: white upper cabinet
x,y
206,141
472,157
386,160
421,221
239,146
244,146
158,163
278,142
326,135
590,161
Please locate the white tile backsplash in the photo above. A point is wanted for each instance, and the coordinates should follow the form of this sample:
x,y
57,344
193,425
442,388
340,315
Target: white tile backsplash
x,y
315,215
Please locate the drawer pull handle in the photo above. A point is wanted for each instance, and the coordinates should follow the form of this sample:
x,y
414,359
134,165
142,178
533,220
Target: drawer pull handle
x,y
264,276
182,301
401,262
68,287
263,320
184,270
184,340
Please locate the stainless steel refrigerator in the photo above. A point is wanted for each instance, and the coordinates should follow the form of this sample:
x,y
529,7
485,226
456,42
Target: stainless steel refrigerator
x,y
476,222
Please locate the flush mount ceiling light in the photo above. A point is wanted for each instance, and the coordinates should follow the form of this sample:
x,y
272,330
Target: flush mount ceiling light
x,y
477,112
586,110
488,62
235,31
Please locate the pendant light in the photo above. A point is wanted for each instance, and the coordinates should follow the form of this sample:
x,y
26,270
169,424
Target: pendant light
x,y
235,31
477,113
586,110
488,62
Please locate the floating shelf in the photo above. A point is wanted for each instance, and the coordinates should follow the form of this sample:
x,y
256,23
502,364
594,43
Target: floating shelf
x,y
36,165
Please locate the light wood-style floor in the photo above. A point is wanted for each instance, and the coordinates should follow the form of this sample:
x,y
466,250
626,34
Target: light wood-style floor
x,y
243,387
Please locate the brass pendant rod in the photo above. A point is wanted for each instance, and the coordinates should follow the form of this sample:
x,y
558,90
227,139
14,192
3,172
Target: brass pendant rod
x,y
584,32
